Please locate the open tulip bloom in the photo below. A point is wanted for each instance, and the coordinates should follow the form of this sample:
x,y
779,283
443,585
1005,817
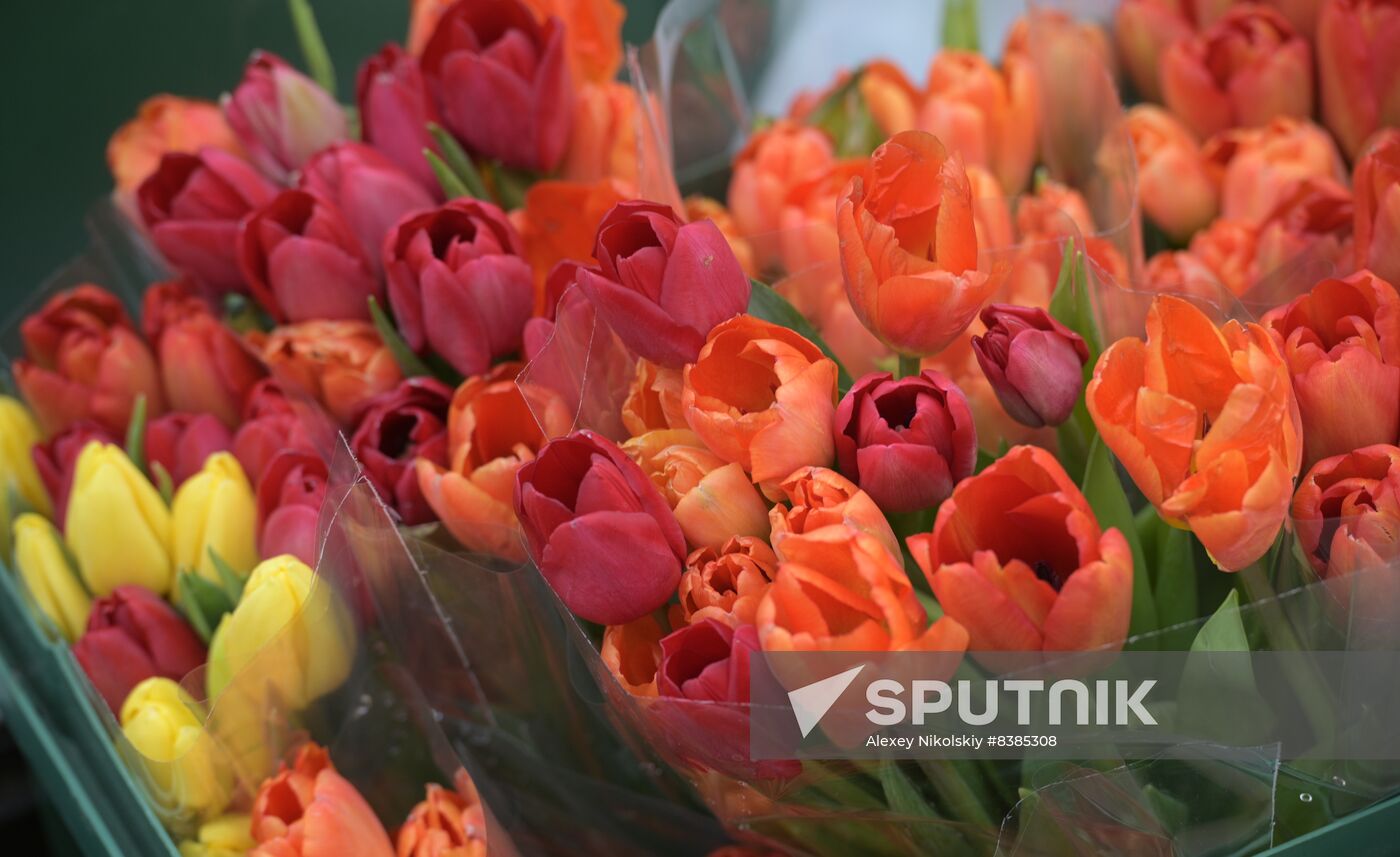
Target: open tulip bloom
x,y
534,420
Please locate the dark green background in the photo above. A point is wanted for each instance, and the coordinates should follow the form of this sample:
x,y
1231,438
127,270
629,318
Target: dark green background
x,y
74,70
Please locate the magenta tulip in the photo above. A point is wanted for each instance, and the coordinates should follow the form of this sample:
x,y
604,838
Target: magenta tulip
x,y
1034,363
290,494
281,117
395,110
179,442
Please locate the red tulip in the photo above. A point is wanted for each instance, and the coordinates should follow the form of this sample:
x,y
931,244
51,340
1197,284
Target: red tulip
x,y
56,457
1357,69
85,362
396,428
269,426
600,532
458,283
662,284
1376,184
179,442
131,636
192,205
905,442
290,494
1347,512
395,110
1034,363
502,82
281,117
303,261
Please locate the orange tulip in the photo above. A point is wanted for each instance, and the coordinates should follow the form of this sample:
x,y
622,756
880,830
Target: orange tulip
x,y
1049,210
653,399
1205,422
1018,559
1376,184
1174,186
163,123
493,426
1178,272
1347,512
446,823
818,499
1342,344
807,235
761,395
1356,68
773,162
342,364
559,222
991,214
592,35
982,115
603,142
1144,29
889,96
909,245
632,653
310,809
840,590
1260,167
820,295
880,88
728,582
1242,71
1312,224
713,499
1227,248
704,208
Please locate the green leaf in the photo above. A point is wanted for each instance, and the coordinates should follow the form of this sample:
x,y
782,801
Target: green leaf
x,y
203,603
1073,306
313,47
459,162
960,25
1224,630
767,304
409,363
847,120
136,434
452,186
905,800
984,459
164,484
1110,504
232,580
1174,574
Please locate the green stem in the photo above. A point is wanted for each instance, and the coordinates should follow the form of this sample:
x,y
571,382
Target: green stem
x,y
958,790
960,25
313,47
908,365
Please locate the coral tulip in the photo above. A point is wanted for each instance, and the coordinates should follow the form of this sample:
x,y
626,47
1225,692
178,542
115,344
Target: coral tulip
x,y
726,583
1376,184
444,824
653,399
341,364
1356,69
985,116
1260,167
773,162
1347,513
818,499
309,809
632,652
163,124
1175,186
1313,224
1143,30
712,499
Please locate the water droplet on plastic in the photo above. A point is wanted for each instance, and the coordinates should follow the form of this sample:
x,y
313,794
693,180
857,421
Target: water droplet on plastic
x,y
1305,797
1339,781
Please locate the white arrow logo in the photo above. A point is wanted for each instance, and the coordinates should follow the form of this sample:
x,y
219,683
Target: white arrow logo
x,y
811,702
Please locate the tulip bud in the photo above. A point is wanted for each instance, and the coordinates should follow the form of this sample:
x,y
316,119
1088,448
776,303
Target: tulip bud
x,y
713,499
1144,29
1260,167
180,443
270,425
776,160
726,583
55,459
1360,84
1035,364
289,497
1377,188
226,836
117,525
1347,512
189,776
444,816
131,636
281,116
22,472
214,513
395,110
42,564
1174,186
309,809
604,140
986,116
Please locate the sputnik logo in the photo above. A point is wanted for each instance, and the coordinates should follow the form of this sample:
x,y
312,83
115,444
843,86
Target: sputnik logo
x,y
810,703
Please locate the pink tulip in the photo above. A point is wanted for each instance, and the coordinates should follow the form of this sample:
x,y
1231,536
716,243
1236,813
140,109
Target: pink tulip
x,y
281,117
368,188
395,110
1034,363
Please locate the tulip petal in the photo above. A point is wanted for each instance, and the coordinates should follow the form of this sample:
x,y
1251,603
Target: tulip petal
x,y
611,567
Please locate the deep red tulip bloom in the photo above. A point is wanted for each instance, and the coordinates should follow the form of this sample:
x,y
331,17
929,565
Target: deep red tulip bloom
x,y
396,428
661,284
133,635
599,530
501,81
1034,364
281,117
270,425
56,457
905,442
180,442
395,110
289,497
368,188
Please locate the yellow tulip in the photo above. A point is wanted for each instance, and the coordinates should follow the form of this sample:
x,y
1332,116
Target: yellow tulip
x,y
228,835
44,568
290,632
214,510
117,525
186,772
18,477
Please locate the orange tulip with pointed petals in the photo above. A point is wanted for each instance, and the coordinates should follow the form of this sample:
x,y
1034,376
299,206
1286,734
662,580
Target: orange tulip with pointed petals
x,y
310,809
1018,559
818,498
1205,422
775,160
909,245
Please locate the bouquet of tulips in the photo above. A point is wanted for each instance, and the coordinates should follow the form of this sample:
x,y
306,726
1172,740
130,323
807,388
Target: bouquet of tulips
x,y
450,399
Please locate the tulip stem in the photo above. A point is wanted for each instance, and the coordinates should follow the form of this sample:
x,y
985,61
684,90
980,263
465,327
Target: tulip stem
x,y
908,366
313,46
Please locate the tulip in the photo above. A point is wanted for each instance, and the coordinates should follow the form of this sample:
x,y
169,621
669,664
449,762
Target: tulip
x,y
1261,167
632,653
180,443
819,499
368,188
762,396
1360,85
165,727
192,205
444,824
995,428
214,513
986,117
130,636
839,590
54,459
1205,422
1034,363
599,531
228,835
117,526
653,399
281,117
1341,342
309,809
397,428
204,366
1227,249
712,499
395,110
1347,512
592,35
43,566
289,498
560,221
1178,272
1377,187
697,207
163,124
493,427
905,442
1143,30
661,284
27,470
1175,187
1018,559
269,426
291,628
341,364
302,260
726,583
85,362
605,140
1313,224
819,294
806,232
909,246
1242,71
773,162
502,82
458,283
